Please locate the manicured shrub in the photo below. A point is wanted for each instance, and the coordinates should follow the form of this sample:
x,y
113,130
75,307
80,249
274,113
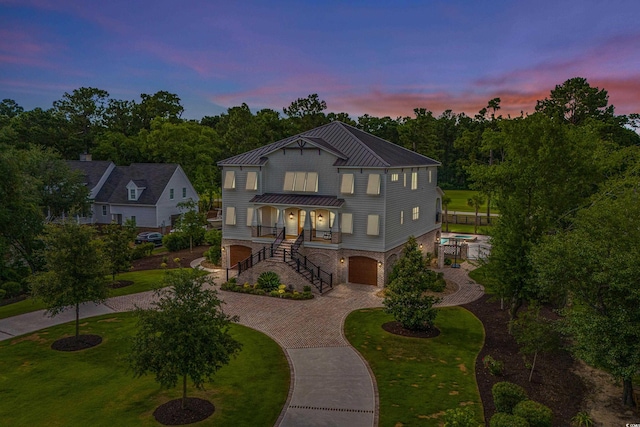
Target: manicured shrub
x,y
448,261
495,367
213,255
142,250
176,242
274,293
306,288
307,295
259,292
12,289
213,237
536,414
439,284
507,395
460,417
507,420
268,281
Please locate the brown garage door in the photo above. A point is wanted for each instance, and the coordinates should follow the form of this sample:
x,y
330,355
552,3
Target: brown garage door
x,y
363,270
237,253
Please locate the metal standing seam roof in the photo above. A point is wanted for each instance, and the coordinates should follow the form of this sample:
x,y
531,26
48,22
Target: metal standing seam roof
x,y
353,147
298,200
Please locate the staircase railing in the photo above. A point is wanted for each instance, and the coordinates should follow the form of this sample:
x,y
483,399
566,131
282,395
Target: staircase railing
x,y
317,276
258,256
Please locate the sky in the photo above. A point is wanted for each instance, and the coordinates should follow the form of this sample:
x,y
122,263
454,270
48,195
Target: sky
x,y
382,58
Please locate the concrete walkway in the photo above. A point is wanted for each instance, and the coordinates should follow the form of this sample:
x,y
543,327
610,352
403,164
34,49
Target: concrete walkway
x,y
331,385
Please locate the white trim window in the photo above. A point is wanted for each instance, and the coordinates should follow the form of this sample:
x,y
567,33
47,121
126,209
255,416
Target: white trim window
x,y
429,176
104,210
373,225
416,213
373,185
395,176
300,181
404,179
347,223
346,186
252,181
171,194
250,212
312,182
401,217
289,179
229,180
230,217
414,180
132,194
184,192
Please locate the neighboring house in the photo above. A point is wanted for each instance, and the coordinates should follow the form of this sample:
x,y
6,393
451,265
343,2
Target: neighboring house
x,y
145,192
350,199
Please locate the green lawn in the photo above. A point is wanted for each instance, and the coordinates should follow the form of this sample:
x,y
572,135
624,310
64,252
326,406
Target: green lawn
x,y
143,281
481,276
459,201
419,379
40,386
465,228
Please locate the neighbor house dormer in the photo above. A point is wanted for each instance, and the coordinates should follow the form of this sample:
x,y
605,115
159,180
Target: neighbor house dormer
x,y
135,189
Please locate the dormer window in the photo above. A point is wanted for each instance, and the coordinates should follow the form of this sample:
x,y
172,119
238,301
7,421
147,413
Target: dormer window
x,y
134,190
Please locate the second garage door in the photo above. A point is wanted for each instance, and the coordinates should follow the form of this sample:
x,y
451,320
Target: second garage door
x,y
363,270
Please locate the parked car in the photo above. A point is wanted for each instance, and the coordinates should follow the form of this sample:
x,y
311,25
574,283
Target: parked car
x,y
149,237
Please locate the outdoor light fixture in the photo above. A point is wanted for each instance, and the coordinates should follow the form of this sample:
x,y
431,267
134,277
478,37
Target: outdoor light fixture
x,y
341,260
291,215
379,263
320,217
420,246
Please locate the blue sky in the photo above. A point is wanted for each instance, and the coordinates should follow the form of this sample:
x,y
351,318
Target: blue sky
x,y
375,57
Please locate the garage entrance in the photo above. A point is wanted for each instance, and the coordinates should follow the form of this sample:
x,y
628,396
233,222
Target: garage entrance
x,y
237,253
363,270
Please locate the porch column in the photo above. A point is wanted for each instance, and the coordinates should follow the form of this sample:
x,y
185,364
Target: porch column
x,y
335,226
254,222
280,223
307,225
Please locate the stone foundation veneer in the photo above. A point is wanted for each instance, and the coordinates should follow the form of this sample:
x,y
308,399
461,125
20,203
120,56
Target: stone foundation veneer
x,y
327,259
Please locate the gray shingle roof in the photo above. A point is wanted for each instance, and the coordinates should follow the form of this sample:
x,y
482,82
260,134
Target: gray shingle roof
x,y
353,147
153,176
92,171
298,200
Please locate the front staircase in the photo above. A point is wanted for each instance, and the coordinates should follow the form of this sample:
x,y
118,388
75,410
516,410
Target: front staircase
x,y
285,251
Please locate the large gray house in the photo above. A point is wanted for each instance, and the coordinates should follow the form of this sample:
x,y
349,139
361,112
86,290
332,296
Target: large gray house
x,y
341,202
145,192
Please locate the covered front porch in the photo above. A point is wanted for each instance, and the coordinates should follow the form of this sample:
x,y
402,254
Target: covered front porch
x,y
317,216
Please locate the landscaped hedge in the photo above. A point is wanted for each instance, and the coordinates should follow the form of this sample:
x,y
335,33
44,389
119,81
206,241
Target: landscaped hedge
x,y
537,414
507,395
280,292
507,420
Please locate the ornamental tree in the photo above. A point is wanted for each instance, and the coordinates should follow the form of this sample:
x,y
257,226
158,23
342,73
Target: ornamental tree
x,y
185,334
76,267
405,297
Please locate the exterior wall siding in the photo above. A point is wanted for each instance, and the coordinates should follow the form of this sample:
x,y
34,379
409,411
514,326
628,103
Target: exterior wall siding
x,y
167,207
145,215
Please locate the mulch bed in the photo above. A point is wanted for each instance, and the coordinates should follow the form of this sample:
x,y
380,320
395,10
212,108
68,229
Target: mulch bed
x,y
554,383
397,329
154,262
121,284
82,342
172,414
